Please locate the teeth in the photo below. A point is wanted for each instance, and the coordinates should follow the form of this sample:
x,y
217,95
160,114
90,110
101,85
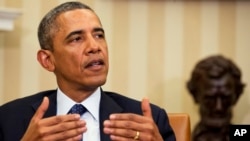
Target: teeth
x,y
95,63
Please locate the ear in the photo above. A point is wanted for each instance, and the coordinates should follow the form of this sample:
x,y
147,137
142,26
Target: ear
x,y
45,58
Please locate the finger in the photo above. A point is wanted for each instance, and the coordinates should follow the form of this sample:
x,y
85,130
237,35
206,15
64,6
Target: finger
x,y
64,126
123,124
50,121
41,109
145,106
118,138
121,132
127,117
67,134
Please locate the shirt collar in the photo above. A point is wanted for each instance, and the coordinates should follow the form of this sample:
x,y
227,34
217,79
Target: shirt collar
x,y
92,103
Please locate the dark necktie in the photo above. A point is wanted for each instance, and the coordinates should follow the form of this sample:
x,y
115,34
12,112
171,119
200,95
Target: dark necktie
x,y
77,109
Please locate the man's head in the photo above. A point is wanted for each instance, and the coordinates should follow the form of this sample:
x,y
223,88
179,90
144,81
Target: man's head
x,y
48,26
73,46
215,85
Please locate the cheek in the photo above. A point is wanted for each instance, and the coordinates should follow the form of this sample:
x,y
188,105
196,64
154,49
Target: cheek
x,y
206,108
106,53
68,60
74,60
105,49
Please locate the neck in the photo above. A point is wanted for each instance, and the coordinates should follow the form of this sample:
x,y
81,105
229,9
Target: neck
x,y
78,95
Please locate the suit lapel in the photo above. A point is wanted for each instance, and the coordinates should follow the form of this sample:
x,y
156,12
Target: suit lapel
x,y
51,109
107,106
52,105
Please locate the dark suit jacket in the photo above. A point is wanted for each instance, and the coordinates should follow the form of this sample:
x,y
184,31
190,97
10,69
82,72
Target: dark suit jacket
x,y
15,116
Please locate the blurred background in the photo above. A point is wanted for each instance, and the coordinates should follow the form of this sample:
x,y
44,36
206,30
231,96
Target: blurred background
x,y
153,47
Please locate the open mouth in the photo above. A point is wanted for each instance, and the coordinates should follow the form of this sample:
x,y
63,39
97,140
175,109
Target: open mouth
x,y
95,63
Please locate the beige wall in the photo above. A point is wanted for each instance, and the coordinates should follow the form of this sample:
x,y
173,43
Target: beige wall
x,y
153,45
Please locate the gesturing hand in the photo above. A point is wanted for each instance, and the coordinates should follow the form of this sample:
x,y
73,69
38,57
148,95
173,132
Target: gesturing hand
x,y
127,126
63,127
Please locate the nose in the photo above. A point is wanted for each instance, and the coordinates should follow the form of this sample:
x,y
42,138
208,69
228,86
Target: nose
x,y
93,46
218,104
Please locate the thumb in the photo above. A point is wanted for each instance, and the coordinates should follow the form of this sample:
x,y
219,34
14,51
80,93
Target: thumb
x,y
146,109
42,109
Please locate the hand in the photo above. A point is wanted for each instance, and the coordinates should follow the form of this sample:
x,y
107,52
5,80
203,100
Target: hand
x,y
124,127
63,127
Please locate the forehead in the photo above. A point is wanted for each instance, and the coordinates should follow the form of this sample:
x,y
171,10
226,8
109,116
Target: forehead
x,y
78,18
220,81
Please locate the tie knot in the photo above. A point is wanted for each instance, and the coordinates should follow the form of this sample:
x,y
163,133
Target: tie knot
x,y
77,109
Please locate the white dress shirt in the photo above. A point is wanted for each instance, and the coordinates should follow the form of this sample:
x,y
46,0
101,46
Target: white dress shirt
x,y
92,103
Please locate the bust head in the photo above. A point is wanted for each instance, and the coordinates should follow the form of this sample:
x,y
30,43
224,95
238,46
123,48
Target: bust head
x,y
216,86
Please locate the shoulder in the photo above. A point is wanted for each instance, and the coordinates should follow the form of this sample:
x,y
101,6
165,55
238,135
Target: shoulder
x,y
20,103
159,114
121,98
132,105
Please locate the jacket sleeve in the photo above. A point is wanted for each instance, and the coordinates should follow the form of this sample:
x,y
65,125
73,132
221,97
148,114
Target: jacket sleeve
x,y
164,126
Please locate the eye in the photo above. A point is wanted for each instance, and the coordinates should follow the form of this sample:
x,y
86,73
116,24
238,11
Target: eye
x,y
99,35
76,39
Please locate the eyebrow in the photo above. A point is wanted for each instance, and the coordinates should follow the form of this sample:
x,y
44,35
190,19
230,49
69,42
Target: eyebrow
x,y
74,33
98,29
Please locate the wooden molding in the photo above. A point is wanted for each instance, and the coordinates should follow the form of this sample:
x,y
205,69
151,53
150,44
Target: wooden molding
x,y
7,17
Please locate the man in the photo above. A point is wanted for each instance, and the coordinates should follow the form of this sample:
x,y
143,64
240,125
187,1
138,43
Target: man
x,y
74,48
216,86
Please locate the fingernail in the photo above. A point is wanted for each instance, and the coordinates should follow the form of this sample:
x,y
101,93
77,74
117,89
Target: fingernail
x,y
81,122
106,122
112,116
107,130
77,116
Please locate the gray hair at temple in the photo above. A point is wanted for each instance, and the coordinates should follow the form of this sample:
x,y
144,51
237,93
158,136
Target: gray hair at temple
x,y
215,67
48,26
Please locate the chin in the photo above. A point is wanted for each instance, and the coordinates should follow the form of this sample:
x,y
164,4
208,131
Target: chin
x,y
216,122
98,82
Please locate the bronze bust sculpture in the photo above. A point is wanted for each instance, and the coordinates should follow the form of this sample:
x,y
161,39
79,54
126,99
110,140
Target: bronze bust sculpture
x,y
215,85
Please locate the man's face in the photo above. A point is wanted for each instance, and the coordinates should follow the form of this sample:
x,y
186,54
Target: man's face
x,y
216,98
80,55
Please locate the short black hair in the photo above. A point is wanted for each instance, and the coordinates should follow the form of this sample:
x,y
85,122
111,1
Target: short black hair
x,y
48,25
